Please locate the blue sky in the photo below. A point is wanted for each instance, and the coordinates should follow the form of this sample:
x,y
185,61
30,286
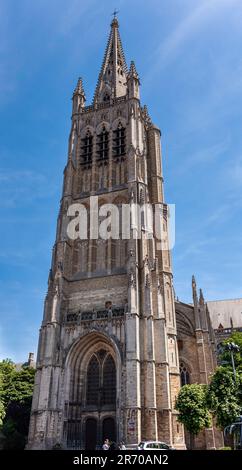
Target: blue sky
x,y
188,55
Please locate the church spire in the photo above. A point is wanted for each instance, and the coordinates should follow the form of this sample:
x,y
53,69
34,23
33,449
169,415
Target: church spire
x,y
201,298
113,75
195,303
132,71
133,81
78,97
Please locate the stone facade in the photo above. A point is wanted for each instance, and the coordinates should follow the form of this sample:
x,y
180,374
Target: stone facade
x,y
110,303
108,361
197,357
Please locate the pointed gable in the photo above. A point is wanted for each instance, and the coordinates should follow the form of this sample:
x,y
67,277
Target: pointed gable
x,y
112,80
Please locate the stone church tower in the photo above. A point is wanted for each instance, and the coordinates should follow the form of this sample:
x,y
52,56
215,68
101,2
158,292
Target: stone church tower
x,y
107,362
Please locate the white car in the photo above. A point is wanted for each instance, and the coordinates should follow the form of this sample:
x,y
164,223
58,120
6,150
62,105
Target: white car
x,y
154,445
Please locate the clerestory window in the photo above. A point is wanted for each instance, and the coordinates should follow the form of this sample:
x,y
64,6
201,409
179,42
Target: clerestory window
x,y
184,375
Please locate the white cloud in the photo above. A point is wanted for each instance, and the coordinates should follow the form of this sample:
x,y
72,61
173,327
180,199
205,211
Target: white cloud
x,y
23,186
203,156
191,24
5,352
20,175
235,172
71,14
194,248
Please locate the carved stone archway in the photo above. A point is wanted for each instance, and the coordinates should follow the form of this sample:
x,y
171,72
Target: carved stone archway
x,y
92,378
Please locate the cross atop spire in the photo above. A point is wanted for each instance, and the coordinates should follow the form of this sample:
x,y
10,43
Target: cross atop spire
x,y
115,19
114,14
113,75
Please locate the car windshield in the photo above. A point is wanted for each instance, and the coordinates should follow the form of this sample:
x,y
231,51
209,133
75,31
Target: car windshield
x,y
163,446
141,444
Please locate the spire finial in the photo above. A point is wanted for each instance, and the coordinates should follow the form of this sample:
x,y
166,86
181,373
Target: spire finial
x,y
194,289
115,20
146,116
132,70
79,87
201,298
114,14
78,97
112,80
195,303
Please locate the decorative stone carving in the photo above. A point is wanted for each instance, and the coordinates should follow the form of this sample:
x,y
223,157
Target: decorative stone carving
x,y
132,280
147,280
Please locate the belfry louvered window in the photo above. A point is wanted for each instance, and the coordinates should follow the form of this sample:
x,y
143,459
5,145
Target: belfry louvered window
x,y
119,141
86,148
102,145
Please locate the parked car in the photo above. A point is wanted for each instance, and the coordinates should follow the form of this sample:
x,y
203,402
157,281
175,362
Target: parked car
x,y
132,446
154,445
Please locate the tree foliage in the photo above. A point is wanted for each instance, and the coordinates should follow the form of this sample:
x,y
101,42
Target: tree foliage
x,y
223,396
16,389
2,412
192,406
225,356
20,386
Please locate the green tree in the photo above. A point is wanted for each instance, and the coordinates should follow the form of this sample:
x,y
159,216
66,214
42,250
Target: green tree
x,y
223,396
225,356
6,369
2,412
16,389
192,406
20,385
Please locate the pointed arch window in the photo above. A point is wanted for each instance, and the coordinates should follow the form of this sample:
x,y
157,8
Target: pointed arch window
x,y
184,374
87,148
109,381
102,145
101,380
119,141
93,381
106,97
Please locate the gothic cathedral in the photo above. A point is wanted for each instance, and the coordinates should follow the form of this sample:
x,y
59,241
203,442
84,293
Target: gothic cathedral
x,y
108,364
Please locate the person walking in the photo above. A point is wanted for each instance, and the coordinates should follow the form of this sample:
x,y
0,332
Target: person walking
x,y
106,445
122,446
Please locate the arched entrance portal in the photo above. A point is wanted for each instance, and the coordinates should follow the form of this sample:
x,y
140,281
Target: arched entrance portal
x,y
91,433
109,429
92,381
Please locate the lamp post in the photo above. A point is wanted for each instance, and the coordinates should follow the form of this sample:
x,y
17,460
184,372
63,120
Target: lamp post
x,y
232,348
237,426
235,429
